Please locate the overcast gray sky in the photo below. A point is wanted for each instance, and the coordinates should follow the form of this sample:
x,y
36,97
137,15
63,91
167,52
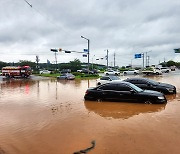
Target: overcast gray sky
x,y
124,27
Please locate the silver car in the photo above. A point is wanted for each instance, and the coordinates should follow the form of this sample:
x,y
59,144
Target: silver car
x,y
66,76
106,79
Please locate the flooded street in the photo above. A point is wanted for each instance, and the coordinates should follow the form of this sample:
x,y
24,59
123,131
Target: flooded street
x,y
45,116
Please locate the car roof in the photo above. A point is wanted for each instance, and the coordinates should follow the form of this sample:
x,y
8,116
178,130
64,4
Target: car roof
x,y
135,79
117,82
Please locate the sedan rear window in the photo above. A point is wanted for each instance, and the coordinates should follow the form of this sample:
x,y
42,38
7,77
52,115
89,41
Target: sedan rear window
x,y
104,78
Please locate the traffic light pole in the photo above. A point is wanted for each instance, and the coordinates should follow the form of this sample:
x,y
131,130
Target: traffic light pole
x,y
88,50
88,55
55,51
107,58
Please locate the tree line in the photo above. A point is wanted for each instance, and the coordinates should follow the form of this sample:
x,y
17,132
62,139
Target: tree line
x,y
73,65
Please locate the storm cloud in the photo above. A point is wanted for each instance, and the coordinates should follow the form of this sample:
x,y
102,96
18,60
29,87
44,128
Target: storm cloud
x,y
124,27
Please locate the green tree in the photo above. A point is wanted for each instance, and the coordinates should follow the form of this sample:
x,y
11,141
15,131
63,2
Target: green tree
x,y
2,64
171,63
75,65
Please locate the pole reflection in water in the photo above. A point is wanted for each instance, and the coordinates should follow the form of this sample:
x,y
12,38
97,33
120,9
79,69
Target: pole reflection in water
x,y
88,83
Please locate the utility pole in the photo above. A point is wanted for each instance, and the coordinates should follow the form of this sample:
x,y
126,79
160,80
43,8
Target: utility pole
x,y
114,59
148,58
107,58
37,62
143,59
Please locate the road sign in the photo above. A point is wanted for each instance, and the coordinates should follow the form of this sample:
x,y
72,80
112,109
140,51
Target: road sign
x,y
177,50
85,50
84,55
139,55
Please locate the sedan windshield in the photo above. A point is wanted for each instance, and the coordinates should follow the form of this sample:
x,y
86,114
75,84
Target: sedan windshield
x,y
152,82
135,87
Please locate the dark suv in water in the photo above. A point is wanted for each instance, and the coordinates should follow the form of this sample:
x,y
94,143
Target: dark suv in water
x,y
124,91
149,84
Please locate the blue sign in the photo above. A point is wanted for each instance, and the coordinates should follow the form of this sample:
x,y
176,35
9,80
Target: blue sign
x,y
138,55
177,50
85,50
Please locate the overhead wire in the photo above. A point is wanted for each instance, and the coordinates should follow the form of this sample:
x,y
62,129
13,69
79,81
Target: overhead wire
x,y
57,26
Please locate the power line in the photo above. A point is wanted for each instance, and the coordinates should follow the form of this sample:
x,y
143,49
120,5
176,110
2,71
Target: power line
x,y
28,3
48,19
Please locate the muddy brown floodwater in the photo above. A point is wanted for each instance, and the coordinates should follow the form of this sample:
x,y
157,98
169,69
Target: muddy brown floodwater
x,y
51,117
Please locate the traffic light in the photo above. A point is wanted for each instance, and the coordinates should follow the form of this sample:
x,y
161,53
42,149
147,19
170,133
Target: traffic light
x,y
67,51
60,49
54,50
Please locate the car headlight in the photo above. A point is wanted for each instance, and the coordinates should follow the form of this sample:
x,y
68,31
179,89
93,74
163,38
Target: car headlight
x,y
170,90
160,97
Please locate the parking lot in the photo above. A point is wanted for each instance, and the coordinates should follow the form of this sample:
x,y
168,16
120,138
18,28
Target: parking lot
x,y
43,115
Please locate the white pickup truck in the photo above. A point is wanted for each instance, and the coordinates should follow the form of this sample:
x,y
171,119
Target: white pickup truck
x,y
151,71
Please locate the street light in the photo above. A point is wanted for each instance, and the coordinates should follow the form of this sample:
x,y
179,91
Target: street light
x,y
88,50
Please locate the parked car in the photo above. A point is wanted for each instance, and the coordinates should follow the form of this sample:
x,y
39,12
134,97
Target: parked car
x,y
106,79
124,91
152,71
165,70
65,71
131,72
112,72
80,71
173,68
66,76
86,71
44,72
149,84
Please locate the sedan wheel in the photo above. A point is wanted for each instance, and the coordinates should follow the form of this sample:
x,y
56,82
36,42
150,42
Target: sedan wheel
x,y
99,83
99,100
147,102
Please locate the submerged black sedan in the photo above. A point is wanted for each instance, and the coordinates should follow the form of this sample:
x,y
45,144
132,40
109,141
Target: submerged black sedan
x,y
149,84
124,92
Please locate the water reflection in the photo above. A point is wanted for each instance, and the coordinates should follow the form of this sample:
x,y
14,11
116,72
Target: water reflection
x,y
121,110
12,83
170,97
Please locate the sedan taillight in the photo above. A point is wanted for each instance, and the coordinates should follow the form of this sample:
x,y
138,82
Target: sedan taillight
x,y
86,92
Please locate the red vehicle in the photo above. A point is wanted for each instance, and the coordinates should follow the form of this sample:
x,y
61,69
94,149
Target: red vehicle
x,y
20,71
